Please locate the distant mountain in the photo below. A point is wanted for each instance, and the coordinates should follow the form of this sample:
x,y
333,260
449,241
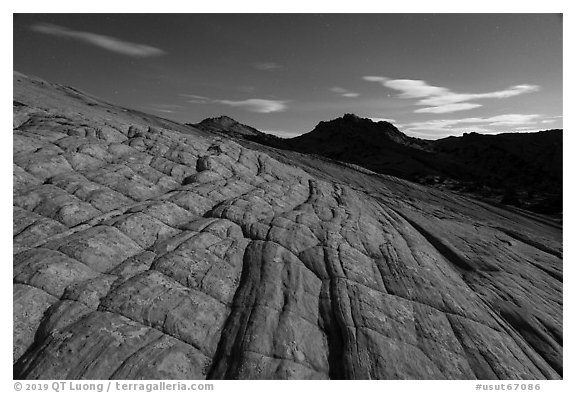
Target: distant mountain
x,y
522,169
351,127
526,167
225,124
378,146
519,158
229,127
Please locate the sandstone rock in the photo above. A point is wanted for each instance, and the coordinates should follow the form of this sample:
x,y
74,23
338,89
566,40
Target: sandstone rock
x,y
144,249
29,305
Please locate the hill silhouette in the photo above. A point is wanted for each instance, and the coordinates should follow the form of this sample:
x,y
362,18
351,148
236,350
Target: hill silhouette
x,y
521,169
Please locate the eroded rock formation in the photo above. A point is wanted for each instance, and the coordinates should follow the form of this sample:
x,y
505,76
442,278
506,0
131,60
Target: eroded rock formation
x,y
144,249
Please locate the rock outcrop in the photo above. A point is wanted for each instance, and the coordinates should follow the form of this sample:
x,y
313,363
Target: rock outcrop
x,y
144,249
489,167
231,129
227,125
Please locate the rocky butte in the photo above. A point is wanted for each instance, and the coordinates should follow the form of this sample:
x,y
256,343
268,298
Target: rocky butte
x,y
148,249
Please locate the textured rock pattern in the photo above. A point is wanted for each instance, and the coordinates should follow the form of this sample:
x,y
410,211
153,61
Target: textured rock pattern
x,y
144,249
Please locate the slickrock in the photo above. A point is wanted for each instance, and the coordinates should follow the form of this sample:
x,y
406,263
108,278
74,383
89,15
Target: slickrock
x,y
145,249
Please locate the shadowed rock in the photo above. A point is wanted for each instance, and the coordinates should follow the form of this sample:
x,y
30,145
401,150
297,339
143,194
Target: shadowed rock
x,y
519,169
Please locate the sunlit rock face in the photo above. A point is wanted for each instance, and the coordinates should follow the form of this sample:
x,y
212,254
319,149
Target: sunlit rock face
x,y
145,249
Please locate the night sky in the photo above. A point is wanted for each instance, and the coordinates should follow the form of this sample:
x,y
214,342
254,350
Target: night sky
x,y
431,75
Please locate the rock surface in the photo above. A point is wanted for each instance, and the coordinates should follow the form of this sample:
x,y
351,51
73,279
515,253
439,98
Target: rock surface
x,y
145,249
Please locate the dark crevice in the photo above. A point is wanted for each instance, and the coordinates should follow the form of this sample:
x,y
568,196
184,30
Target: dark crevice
x,y
536,335
458,261
20,366
524,239
233,333
333,334
335,327
478,364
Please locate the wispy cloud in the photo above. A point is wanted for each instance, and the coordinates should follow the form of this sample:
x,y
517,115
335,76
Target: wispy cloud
x,y
493,124
343,92
511,119
266,66
283,134
441,99
258,105
194,96
165,108
194,99
553,119
102,41
448,108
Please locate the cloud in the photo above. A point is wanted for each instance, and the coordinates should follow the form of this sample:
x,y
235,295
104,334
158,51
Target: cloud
x,y
283,134
448,98
414,88
165,108
441,99
194,96
102,41
512,119
266,66
508,119
375,79
343,92
493,124
195,99
448,108
552,119
257,105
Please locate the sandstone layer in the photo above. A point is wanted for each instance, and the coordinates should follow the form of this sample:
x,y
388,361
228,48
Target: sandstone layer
x,y
145,249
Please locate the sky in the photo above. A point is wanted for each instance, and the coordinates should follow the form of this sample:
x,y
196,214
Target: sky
x,y
431,75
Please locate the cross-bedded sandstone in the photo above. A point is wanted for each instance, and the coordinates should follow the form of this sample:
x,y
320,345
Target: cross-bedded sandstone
x,y
146,249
